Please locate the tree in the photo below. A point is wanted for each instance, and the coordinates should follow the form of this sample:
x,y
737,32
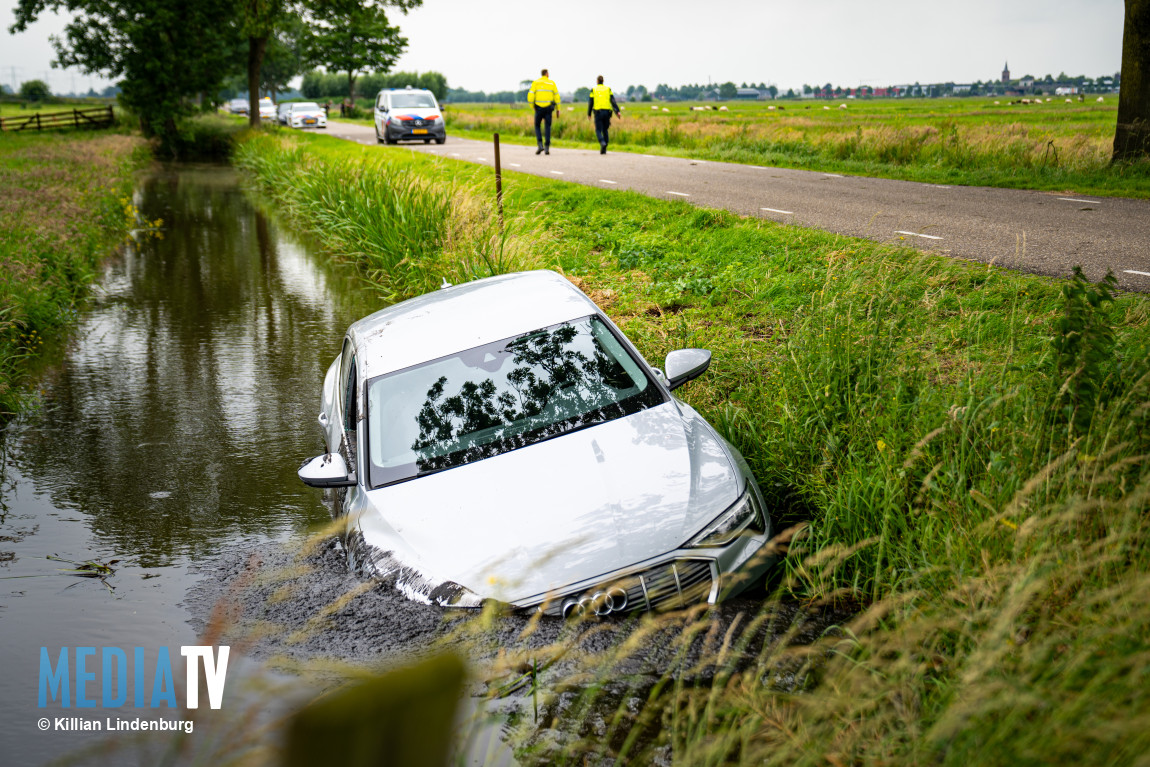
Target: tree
x,y
351,36
283,57
1132,134
582,94
728,90
35,90
164,52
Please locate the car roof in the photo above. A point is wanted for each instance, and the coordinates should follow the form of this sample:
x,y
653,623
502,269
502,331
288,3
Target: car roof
x,y
462,317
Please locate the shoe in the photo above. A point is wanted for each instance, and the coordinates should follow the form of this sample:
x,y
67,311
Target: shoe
x,y
547,150
602,150
539,150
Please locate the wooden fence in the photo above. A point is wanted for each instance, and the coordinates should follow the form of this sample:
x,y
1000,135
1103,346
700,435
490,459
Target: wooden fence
x,y
94,117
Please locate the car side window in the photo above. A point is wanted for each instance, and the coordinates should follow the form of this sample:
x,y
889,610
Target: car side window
x,y
349,411
345,358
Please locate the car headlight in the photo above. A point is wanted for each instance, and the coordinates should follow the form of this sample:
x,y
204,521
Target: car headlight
x,y
732,522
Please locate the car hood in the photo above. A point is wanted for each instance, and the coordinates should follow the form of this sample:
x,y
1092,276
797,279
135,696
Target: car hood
x,y
517,526
306,113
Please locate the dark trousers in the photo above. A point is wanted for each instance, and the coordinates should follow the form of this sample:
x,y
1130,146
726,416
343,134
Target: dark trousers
x,y
602,123
543,116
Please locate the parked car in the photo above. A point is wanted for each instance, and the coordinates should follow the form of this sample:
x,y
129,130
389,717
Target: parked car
x,y
238,106
502,439
306,114
282,110
408,114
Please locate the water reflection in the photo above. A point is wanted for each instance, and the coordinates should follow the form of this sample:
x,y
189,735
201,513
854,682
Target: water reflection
x,y
500,397
190,391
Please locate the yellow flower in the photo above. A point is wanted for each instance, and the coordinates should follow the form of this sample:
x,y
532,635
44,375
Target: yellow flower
x,y
880,445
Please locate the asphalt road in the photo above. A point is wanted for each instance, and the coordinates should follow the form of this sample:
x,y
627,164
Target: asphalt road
x,y
1039,232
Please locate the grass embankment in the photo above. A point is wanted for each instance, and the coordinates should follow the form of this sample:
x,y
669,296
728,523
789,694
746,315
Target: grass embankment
x,y
1053,146
966,447
65,204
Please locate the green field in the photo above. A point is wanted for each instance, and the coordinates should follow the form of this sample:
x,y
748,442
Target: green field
x,y
959,451
973,141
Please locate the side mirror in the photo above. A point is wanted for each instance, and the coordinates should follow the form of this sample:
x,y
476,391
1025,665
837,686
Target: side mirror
x,y
683,365
327,470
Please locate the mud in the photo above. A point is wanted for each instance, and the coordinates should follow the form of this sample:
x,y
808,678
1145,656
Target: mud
x,y
275,602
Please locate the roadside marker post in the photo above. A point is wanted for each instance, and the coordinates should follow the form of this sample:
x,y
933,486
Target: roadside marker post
x,y
498,183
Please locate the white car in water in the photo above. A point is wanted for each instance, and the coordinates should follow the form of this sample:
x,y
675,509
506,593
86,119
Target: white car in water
x,y
306,114
503,440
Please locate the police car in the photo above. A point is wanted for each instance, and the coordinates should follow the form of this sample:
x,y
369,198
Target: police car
x,y
408,114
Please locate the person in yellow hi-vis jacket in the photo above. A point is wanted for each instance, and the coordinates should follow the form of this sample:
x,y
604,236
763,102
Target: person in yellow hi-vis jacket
x,y
544,96
600,105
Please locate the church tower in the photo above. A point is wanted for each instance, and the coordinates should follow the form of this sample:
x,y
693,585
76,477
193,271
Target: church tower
x,y
1006,72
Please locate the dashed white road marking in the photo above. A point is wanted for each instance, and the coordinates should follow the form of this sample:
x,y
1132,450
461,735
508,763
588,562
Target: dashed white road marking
x,y
917,234
557,172
481,159
456,154
607,181
1135,271
515,165
647,155
832,175
678,194
1071,199
776,210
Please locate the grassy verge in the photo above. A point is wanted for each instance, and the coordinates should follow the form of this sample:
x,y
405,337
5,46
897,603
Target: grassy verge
x,y
66,204
1053,146
961,450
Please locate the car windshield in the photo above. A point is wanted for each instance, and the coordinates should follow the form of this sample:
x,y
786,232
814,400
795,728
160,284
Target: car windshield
x,y
307,105
500,397
409,100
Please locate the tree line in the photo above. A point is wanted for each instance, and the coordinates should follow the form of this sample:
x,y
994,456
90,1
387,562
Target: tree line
x,y
172,56
318,85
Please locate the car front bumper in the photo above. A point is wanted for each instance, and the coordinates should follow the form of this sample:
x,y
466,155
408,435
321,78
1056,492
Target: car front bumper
x,y
402,132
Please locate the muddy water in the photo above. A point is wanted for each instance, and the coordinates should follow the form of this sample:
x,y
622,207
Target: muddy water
x,y
170,427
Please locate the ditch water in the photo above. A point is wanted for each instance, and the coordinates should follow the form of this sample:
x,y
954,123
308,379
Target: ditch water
x,y
171,424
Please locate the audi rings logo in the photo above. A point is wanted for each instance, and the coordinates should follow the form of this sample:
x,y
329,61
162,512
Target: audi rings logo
x,y
601,603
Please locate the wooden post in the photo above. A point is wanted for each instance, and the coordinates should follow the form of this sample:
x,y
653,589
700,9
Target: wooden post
x,y
76,117
498,183
38,121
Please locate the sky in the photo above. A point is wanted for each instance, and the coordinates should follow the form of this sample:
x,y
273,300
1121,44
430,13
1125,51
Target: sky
x,y
492,46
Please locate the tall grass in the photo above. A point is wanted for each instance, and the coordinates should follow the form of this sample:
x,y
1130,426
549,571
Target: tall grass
x,y
959,452
407,232
65,205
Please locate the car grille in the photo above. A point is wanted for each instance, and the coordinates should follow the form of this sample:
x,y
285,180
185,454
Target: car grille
x,y
417,123
668,586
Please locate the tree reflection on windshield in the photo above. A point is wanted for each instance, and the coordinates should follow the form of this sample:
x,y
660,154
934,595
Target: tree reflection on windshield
x,y
510,394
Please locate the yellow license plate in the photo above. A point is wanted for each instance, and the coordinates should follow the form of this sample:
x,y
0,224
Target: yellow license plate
x,y
309,121
420,130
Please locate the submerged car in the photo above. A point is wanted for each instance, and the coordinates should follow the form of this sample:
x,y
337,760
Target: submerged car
x,y
503,440
306,114
403,114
